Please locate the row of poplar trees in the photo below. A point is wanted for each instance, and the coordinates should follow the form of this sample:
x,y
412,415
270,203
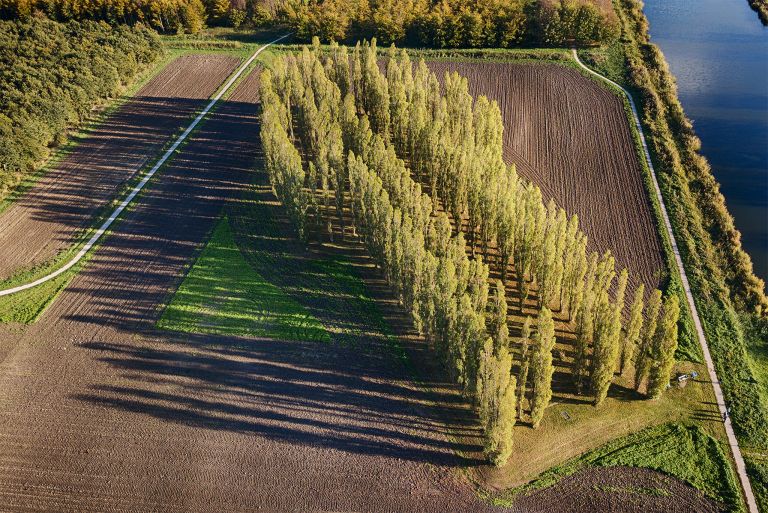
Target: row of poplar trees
x,y
413,167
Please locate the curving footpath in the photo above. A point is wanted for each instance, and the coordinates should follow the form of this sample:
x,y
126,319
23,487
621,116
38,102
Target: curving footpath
x,y
732,441
123,204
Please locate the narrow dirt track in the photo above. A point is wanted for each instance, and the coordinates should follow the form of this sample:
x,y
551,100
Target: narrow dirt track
x,y
99,412
571,137
48,218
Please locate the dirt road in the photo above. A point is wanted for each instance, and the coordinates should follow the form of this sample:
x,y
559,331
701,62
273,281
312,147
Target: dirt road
x,y
48,218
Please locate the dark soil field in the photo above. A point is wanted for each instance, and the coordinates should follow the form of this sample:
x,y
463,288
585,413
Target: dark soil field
x,y
48,217
619,490
100,411
571,137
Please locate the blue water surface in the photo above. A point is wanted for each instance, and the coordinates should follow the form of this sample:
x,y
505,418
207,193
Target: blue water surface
x,y
718,51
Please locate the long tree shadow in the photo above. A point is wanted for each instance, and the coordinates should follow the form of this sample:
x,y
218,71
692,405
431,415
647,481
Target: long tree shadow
x,y
68,196
286,391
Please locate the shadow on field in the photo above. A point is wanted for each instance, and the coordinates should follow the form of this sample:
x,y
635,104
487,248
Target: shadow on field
x,y
143,261
290,392
355,394
65,199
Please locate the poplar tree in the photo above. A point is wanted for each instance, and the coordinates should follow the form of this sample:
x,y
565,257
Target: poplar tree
x,y
506,220
664,347
634,328
496,392
584,304
601,368
574,265
617,322
546,255
498,320
642,355
525,363
607,340
544,342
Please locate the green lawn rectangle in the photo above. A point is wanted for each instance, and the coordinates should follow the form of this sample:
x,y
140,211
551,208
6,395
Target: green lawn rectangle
x,y
224,295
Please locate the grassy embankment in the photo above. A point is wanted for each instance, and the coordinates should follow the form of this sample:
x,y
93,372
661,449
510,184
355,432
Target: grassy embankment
x,y
729,297
27,306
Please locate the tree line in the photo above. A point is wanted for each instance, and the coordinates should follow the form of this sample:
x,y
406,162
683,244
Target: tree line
x,y
455,23
51,76
161,15
429,23
167,16
414,168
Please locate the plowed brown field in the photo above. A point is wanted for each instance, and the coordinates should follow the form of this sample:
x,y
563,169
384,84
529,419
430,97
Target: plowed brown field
x,y
618,490
47,219
571,137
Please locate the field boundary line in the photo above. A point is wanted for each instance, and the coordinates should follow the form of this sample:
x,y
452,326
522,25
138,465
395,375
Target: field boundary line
x,y
732,441
135,191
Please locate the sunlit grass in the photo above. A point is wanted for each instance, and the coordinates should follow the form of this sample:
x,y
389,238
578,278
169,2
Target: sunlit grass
x,y
223,294
678,449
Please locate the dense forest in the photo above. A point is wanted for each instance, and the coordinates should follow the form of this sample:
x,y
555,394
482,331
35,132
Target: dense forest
x,y
52,75
429,23
414,169
161,15
455,23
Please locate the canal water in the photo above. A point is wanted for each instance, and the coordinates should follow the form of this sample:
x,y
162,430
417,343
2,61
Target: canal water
x,y
718,51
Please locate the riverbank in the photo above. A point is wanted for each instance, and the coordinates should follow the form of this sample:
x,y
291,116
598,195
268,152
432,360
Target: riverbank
x,y
730,298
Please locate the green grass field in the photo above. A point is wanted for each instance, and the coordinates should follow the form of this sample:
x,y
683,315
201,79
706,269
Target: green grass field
x,y
678,449
222,294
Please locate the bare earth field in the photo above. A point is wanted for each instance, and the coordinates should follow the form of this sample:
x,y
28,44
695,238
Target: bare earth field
x,y
48,218
571,137
100,411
